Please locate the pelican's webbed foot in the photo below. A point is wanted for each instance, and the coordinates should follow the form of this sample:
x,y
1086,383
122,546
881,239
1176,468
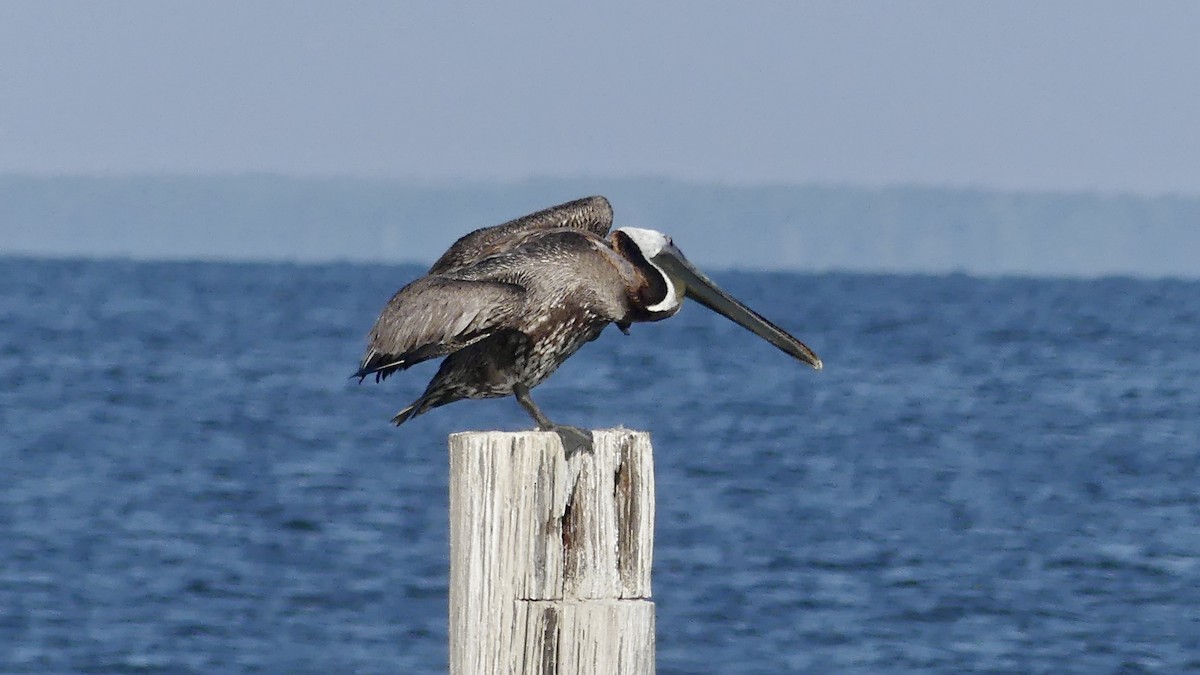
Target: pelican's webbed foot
x,y
573,439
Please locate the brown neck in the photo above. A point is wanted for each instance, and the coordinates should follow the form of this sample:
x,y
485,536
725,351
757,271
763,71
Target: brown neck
x,y
651,288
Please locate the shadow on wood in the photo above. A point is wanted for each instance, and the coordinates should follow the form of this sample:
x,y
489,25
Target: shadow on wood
x,y
550,558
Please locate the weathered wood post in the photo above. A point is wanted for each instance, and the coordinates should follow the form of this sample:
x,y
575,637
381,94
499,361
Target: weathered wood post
x,y
549,557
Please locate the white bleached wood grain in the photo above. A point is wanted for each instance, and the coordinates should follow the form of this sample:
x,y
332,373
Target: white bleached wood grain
x,y
550,558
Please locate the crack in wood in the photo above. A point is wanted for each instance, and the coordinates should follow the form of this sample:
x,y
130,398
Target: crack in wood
x,y
567,523
550,640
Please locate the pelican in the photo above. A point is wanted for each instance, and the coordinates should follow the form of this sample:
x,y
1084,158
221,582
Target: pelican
x,y
507,305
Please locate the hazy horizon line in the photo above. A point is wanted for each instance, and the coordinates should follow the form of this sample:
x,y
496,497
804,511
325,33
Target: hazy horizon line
x,y
719,269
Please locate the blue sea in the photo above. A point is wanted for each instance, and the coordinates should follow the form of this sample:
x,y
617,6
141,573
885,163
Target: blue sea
x,y
990,475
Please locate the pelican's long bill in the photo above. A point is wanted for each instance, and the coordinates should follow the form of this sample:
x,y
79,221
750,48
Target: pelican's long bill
x,y
702,289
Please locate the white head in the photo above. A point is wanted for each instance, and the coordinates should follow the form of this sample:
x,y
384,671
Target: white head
x,y
682,278
651,243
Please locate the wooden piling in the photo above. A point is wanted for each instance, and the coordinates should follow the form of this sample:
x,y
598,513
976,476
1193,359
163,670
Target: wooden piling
x,y
549,557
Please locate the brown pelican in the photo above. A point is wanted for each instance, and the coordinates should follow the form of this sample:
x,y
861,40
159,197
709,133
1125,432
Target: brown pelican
x,y
508,304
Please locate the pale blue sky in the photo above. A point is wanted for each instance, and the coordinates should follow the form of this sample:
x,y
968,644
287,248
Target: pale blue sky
x,y
1024,95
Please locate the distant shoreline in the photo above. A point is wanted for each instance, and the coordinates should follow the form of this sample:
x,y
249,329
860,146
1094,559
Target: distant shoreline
x,y
803,228
414,269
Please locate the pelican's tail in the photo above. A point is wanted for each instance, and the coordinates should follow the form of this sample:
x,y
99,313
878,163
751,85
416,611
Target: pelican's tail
x,y
404,415
438,393
418,407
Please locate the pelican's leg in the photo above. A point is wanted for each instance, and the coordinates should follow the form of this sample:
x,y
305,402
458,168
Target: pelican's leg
x,y
526,401
573,439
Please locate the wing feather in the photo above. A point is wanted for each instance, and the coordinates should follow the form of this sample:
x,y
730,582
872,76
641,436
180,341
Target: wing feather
x,y
434,316
591,214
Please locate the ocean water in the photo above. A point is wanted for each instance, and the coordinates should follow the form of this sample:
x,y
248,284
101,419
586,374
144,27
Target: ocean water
x,y
990,475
